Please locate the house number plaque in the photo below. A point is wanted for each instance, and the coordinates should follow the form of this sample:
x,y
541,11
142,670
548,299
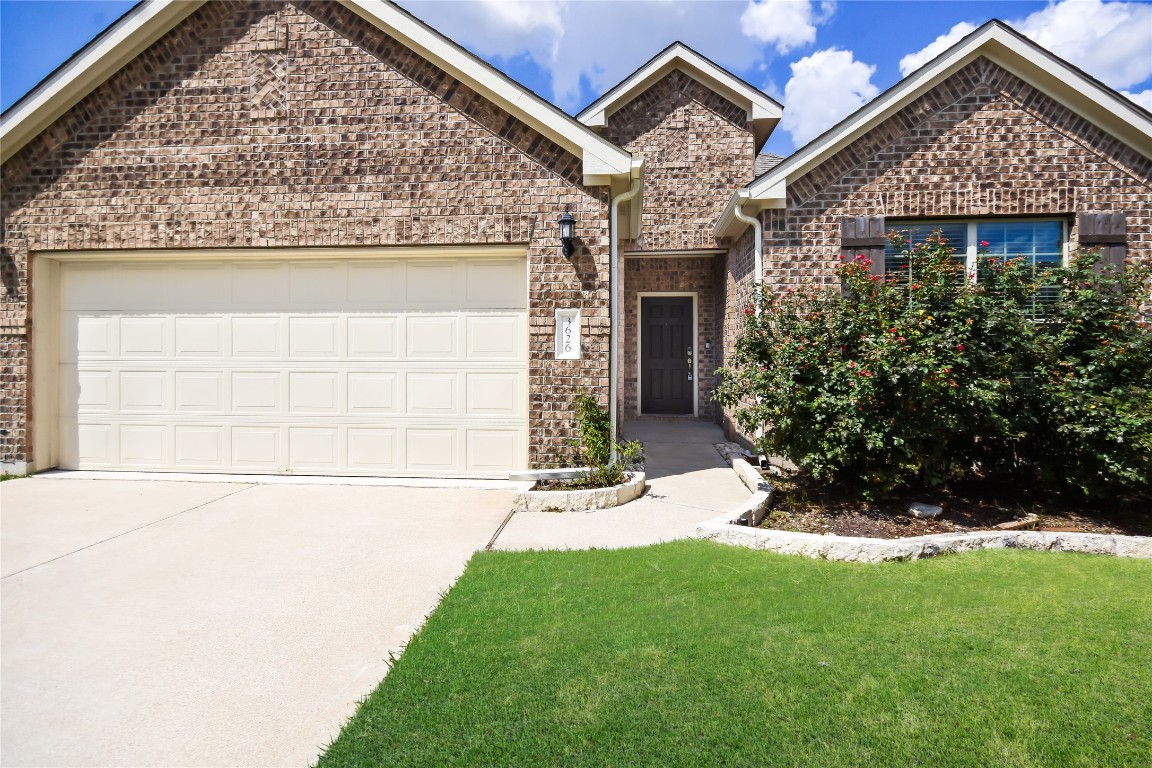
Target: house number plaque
x,y
567,334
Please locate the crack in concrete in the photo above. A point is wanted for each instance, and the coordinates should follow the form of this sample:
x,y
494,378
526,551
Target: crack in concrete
x,y
125,533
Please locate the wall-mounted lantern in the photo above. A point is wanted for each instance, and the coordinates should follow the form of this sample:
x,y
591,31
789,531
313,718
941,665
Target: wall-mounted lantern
x,y
568,233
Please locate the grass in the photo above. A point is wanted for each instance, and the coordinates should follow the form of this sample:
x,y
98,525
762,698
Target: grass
x,y
696,654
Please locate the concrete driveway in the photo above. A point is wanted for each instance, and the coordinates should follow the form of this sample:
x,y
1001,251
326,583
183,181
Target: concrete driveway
x,y
211,624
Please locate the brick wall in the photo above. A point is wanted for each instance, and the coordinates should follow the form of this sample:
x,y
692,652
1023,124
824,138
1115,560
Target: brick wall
x,y
681,275
982,143
297,124
697,148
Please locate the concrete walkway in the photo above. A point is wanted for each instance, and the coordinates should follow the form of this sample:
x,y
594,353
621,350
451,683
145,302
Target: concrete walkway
x,y
688,483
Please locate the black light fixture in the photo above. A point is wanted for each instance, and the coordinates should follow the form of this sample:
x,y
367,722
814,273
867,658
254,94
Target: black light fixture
x,y
568,233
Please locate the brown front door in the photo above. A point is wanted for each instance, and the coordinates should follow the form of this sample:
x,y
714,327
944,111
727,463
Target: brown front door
x,y
666,350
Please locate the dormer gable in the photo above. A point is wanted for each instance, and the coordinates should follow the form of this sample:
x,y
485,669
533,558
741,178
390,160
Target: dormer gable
x,y
762,112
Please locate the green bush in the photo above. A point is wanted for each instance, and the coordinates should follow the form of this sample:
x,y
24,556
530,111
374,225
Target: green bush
x,y
594,448
923,379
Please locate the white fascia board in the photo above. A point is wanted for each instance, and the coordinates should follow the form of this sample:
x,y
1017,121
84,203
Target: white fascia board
x,y
1023,59
143,26
757,104
601,157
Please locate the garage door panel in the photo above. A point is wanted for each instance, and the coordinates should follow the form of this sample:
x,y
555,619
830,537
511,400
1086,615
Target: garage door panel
x,y
313,448
95,444
96,391
431,393
199,391
494,394
256,447
313,392
203,285
497,284
433,284
255,392
400,367
256,286
377,284
313,337
199,336
494,337
200,446
143,391
373,393
143,445
93,336
256,337
144,337
493,451
373,448
317,284
431,450
374,338
432,337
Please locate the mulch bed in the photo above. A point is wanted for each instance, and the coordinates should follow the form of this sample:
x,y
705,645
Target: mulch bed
x,y
969,506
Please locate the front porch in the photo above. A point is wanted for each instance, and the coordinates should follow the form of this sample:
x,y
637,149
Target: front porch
x,y
671,335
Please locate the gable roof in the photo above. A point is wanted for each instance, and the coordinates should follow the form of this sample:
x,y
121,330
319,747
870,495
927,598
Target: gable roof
x,y
146,22
763,112
995,41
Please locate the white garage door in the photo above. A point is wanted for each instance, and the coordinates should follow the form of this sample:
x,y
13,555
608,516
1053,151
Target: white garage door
x,y
404,367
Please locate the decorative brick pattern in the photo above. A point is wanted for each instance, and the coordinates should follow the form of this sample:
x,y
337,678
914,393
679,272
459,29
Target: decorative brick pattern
x,y
681,275
982,143
697,148
365,144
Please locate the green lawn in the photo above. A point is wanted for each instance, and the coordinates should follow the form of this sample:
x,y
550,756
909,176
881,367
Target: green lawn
x,y
695,654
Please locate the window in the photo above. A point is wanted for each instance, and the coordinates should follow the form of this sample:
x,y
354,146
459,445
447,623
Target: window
x,y
1041,242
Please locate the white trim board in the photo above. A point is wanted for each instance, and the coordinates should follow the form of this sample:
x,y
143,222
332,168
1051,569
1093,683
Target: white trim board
x,y
640,296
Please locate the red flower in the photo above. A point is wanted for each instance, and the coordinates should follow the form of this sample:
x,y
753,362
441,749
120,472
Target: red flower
x,y
959,347
865,373
983,243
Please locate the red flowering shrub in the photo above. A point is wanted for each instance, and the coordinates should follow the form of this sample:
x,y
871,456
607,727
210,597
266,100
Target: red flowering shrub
x,y
890,383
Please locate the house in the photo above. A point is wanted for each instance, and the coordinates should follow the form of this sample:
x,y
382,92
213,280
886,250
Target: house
x,y
320,238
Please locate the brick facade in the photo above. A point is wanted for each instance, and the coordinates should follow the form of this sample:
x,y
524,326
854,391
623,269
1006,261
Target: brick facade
x,y
672,275
981,143
298,124
275,124
697,148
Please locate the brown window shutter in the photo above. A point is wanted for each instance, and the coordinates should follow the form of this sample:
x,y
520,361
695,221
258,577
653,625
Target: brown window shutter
x,y
1109,233
864,235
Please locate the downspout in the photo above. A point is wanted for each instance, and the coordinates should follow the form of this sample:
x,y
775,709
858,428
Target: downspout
x,y
757,243
614,306
757,276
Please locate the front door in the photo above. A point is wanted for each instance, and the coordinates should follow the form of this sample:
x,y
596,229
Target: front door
x,y
666,350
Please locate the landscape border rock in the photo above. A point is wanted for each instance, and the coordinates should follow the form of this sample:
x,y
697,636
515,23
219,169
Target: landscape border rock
x,y
751,512
857,549
580,500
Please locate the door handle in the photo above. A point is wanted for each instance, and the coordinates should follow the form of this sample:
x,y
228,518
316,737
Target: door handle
x,y
689,363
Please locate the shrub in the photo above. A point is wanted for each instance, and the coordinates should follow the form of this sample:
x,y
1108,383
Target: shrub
x,y
927,378
594,448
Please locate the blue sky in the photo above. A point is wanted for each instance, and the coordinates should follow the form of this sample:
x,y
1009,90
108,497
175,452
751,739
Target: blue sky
x,y
821,59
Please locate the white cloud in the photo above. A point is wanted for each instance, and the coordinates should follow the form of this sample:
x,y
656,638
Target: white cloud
x,y
914,61
787,24
1110,41
594,43
825,87
1143,98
